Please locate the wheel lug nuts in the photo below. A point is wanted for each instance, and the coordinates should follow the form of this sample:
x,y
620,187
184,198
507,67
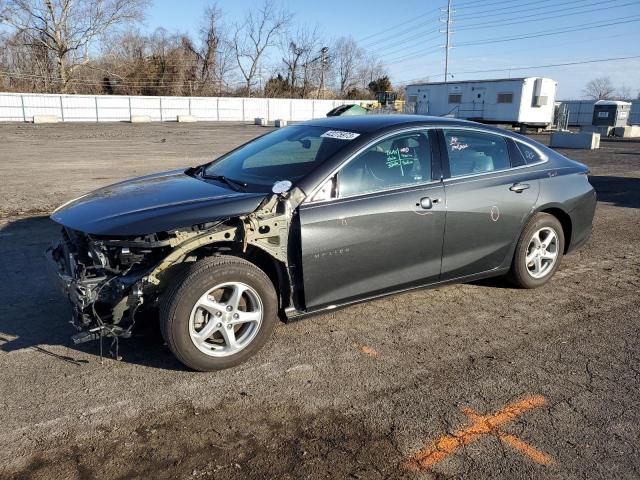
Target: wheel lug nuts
x,y
218,314
229,308
236,316
229,326
219,325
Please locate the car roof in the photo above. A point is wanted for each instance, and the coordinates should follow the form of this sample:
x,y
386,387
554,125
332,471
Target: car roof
x,y
372,123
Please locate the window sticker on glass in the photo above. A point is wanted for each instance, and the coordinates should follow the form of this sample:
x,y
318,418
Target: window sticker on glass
x,y
340,135
399,157
456,145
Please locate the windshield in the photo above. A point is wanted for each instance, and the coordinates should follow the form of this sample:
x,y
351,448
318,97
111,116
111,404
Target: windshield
x,y
286,154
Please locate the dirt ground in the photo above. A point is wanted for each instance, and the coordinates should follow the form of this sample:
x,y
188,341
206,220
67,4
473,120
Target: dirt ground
x,y
507,383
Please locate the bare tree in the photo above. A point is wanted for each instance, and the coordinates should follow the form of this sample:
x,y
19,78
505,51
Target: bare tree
x,y
259,31
599,89
28,66
370,69
346,61
298,50
213,52
624,93
67,28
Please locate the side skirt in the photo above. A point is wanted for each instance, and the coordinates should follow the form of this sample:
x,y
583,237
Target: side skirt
x,y
293,314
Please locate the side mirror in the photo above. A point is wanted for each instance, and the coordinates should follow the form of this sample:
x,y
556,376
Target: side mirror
x,y
326,192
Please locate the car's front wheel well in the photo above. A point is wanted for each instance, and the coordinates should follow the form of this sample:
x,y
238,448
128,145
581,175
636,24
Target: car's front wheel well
x,y
565,221
275,270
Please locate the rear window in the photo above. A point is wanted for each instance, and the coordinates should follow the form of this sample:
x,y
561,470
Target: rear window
x,y
472,152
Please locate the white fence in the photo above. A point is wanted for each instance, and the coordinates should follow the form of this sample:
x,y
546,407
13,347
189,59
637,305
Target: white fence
x,y
21,107
581,112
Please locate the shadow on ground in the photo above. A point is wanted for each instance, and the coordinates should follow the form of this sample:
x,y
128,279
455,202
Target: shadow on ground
x,y
620,191
34,313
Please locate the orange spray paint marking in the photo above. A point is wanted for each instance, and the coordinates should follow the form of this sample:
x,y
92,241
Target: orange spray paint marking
x,y
369,351
482,425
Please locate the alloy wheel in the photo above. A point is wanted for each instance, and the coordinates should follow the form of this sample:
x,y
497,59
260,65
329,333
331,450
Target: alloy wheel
x,y
542,252
226,319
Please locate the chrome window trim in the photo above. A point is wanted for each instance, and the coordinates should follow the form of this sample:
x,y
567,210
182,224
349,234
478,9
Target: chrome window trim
x,y
356,154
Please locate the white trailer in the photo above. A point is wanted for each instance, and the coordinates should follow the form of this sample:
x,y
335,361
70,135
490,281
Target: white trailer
x,y
525,101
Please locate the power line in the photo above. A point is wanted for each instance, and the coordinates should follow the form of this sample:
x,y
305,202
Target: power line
x,y
492,12
397,25
518,19
563,64
422,54
555,45
150,83
545,33
485,4
395,35
403,50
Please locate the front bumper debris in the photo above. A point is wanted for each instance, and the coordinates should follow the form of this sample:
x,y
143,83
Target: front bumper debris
x,y
103,304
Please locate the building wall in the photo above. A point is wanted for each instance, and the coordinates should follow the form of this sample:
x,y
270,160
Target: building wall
x,y
581,112
544,113
433,99
18,107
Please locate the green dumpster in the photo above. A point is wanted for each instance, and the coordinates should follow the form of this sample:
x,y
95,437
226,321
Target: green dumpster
x,y
343,110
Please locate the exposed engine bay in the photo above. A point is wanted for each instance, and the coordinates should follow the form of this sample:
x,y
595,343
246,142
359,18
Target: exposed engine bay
x,y
108,280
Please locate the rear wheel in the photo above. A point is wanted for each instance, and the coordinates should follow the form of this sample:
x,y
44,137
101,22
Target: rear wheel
x,y
538,252
219,313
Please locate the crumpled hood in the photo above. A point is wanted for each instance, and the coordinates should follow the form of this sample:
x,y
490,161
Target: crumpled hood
x,y
154,203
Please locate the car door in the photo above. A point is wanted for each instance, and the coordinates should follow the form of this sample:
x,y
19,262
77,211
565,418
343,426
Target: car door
x,y
382,227
489,194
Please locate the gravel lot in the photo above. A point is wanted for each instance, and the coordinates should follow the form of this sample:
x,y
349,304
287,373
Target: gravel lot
x,y
352,394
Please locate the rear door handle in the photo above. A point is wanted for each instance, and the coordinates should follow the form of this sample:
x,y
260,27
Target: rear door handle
x,y
519,187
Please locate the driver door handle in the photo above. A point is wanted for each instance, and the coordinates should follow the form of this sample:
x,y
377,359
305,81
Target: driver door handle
x,y
519,187
428,202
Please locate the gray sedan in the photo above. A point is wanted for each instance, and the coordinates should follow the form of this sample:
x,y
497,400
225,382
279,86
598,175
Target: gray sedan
x,y
312,217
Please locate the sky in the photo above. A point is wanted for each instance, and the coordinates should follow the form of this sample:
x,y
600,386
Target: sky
x,y
405,34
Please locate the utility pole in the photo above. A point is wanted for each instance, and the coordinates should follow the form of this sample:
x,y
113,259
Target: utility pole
x,y
447,46
323,65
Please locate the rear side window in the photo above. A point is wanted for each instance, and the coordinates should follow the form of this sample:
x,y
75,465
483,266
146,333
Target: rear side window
x,y
528,153
472,152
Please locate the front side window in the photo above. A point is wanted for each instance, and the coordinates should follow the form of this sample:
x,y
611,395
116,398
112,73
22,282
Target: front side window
x,y
286,154
401,160
473,152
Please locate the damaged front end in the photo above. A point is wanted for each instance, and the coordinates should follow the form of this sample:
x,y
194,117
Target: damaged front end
x,y
109,279
102,279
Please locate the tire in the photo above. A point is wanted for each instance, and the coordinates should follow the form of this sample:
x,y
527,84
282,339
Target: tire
x,y
194,301
530,274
